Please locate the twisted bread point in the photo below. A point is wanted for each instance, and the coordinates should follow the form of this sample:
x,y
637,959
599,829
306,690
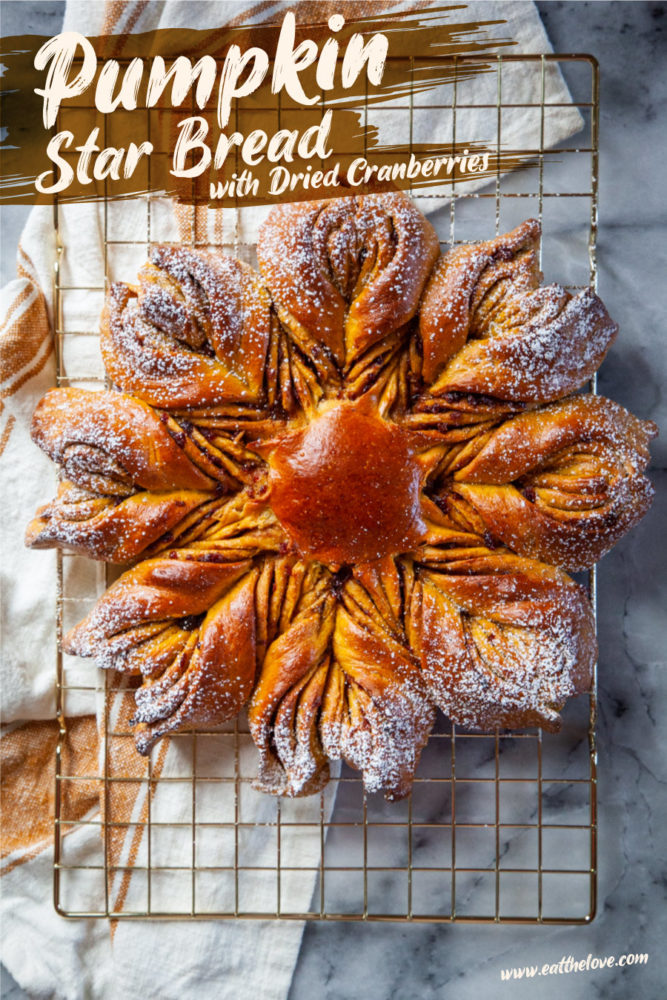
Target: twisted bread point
x,y
186,621
195,332
214,676
487,328
361,264
109,528
560,484
188,627
503,641
111,443
511,262
337,683
377,713
158,590
284,706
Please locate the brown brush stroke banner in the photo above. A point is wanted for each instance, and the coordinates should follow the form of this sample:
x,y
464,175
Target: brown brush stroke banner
x,y
424,52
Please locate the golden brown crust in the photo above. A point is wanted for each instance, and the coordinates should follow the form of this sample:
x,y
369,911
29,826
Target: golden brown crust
x,y
504,641
554,344
561,484
488,329
339,509
109,528
380,716
511,263
217,679
156,590
195,332
111,442
291,760
346,488
361,264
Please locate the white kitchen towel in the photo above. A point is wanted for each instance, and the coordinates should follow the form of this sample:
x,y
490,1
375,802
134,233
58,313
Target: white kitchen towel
x,y
47,955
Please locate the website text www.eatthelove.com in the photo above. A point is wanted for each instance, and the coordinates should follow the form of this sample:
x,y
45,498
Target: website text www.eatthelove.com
x,y
570,964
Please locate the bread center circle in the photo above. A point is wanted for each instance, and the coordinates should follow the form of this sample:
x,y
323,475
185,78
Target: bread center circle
x,y
346,488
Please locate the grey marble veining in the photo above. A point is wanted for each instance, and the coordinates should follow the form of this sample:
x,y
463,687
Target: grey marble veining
x,y
463,962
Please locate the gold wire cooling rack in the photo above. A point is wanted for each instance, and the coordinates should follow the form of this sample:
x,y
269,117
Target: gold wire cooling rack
x,y
500,827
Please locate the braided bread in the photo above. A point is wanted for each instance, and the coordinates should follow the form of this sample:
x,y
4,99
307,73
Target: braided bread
x,y
348,487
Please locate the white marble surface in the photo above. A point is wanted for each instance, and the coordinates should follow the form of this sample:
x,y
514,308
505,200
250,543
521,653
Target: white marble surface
x,y
379,961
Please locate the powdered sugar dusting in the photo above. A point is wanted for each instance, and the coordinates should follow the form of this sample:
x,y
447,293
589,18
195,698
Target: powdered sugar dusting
x,y
493,638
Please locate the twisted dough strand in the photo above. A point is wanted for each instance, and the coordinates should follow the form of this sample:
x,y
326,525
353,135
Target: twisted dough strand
x,y
561,484
194,333
488,329
361,264
503,640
